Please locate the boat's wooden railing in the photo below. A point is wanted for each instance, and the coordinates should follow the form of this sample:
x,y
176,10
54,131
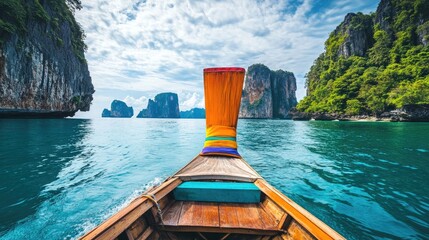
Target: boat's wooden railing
x,y
122,220
313,225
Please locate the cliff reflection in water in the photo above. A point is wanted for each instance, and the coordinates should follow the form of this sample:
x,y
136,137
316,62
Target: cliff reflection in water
x,y
363,179
32,158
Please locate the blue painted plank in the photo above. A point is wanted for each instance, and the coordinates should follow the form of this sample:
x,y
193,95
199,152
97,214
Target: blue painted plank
x,y
232,192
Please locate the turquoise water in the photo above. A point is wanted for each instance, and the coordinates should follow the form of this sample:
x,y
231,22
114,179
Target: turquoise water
x,y
60,178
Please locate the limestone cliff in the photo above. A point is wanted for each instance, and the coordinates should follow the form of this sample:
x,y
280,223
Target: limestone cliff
x,y
356,29
165,105
119,109
267,94
43,71
372,63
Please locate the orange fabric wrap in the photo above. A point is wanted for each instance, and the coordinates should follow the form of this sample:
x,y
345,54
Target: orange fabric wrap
x,y
222,92
220,131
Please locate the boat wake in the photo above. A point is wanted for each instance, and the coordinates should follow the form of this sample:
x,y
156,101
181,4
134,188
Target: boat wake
x,y
89,225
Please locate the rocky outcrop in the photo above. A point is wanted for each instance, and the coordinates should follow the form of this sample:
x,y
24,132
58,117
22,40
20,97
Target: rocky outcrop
x,y
408,113
384,16
193,113
43,72
119,109
165,105
267,94
356,29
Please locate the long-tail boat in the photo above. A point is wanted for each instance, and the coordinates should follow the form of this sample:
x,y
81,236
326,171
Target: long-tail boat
x,y
217,195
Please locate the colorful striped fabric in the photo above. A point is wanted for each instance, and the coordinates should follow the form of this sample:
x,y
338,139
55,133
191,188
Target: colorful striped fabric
x,y
220,140
222,92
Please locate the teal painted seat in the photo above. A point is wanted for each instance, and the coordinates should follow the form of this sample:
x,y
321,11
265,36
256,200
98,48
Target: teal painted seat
x,y
226,192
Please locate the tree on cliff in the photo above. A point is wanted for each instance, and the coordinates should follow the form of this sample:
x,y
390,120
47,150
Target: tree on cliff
x,y
371,68
15,14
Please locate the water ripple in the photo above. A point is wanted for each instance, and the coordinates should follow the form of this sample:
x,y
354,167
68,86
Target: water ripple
x,y
60,178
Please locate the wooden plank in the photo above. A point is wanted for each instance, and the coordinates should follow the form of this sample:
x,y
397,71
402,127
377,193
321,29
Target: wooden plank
x,y
309,222
197,214
146,233
296,231
220,230
119,222
228,215
273,209
268,221
248,216
172,214
186,214
129,235
137,228
210,214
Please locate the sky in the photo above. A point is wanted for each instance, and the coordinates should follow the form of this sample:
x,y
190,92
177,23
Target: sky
x,y
139,48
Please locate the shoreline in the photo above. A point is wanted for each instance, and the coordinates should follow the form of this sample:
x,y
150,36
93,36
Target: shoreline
x,y
408,113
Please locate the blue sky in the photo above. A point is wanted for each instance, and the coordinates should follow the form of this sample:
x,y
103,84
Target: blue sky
x,y
139,48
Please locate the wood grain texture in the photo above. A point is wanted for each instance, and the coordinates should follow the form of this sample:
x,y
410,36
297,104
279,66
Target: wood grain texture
x,y
248,216
186,214
172,214
296,231
137,228
268,221
197,214
219,215
228,215
210,212
217,167
273,209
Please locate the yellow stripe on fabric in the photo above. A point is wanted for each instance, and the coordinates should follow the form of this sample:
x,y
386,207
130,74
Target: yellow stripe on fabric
x,y
220,131
220,143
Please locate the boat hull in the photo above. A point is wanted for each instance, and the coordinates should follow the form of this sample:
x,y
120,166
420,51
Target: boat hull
x,y
157,214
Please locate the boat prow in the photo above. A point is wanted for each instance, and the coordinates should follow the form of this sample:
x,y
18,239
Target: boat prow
x,y
208,200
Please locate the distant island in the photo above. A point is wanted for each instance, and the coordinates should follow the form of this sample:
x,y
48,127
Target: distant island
x,y
267,93
193,113
119,109
43,70
165,105
374,66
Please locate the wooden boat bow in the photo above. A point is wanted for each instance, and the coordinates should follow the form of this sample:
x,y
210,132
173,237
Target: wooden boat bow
x,y
217,195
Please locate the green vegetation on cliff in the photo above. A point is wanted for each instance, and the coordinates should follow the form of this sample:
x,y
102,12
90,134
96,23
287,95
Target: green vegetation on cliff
x,y
14,15
373,63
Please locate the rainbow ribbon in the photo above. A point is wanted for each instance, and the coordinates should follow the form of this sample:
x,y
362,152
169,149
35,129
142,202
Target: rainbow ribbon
x,y
221,141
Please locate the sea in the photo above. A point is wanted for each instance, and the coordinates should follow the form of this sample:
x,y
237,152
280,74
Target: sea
x,y
60,178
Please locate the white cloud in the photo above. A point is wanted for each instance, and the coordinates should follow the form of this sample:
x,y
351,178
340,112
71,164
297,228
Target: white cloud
x,y
190,100
137,103
162,46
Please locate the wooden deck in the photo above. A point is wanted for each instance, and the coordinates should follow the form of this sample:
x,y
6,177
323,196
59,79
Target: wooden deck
x,y
219,217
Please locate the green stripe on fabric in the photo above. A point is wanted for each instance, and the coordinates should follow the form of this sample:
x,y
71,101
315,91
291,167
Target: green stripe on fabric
x,y
220,138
